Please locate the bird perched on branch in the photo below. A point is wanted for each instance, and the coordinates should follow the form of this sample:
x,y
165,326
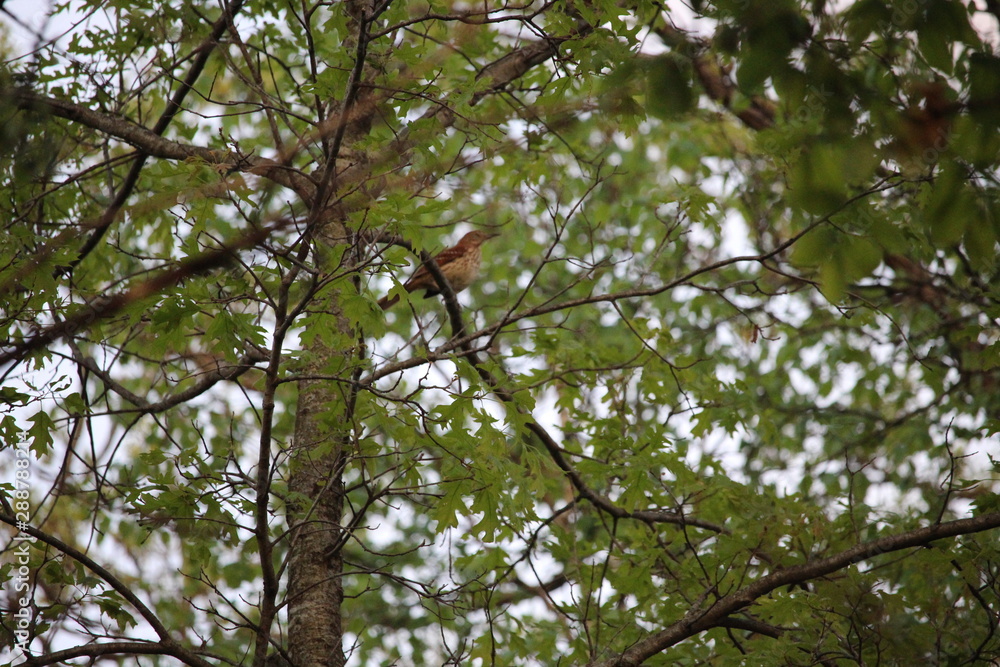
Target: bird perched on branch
x,y
459,264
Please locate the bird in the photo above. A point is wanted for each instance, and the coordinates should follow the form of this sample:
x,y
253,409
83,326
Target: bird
x,y
459,264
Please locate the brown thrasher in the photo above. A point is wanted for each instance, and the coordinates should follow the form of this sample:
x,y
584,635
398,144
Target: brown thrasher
x,y
459,264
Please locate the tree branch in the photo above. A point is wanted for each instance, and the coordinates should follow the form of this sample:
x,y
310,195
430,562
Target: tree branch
x,y
153,144
446,350
207,381
699,620
758,115
204,50
107,649
553,448
500,73
166,641
105,306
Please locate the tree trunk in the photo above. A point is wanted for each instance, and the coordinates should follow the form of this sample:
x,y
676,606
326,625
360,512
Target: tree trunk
x,y
316,468
318,457
315,588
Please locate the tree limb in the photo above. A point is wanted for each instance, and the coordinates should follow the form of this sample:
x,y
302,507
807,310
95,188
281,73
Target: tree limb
x,y
108,649
699,620
105,306
204,50
153,144
168,644
500,73
758,115
555,451
207,381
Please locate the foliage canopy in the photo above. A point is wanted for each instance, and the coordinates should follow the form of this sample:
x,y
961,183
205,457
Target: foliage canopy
x,y
726,391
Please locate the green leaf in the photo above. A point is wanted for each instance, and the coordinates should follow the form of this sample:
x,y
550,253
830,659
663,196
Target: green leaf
x,y
11,396
40,432
984,81
669,91
949,208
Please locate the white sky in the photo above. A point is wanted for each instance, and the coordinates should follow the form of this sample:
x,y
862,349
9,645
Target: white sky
x,y
26,20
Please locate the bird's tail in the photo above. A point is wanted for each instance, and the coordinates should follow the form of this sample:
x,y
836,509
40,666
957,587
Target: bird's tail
x,y
387,302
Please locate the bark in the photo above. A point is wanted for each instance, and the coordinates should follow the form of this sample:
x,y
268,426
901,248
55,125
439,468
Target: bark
x,y
316,512
315,587
324,410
